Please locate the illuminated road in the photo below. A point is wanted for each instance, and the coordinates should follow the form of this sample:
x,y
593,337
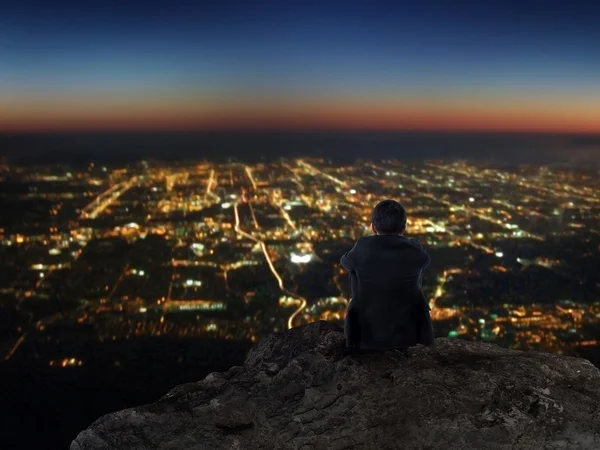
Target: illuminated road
x,y
18,307
295,177
12,351
250,177
455,207
212,181
286,216
568,192
277,201
89,209
117,283
263,246
301,308
256,226
104,200
438,313
314,170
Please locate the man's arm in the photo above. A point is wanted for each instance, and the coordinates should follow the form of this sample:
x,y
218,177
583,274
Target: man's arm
x,y
348,260
426,263
427,257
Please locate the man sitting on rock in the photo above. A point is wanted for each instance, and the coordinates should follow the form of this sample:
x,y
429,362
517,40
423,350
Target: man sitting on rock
x,y
388,309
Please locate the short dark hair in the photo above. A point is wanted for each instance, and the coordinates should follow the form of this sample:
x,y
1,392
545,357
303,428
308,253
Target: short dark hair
x,y
389,217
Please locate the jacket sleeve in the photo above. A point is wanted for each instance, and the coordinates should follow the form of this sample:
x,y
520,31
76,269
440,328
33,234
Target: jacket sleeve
x,y
427,258
348,260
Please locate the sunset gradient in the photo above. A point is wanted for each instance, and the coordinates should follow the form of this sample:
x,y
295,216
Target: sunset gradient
x,y
165,66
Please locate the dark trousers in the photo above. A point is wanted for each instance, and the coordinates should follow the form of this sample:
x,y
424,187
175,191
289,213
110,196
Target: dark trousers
x,y
424,329
426,336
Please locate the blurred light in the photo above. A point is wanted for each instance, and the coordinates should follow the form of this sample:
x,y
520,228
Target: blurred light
x,y
225,205
300,259
471,199
143,310
353,191
499,254
197,248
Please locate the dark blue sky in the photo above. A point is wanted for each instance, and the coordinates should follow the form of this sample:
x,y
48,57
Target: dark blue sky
x,y
495,58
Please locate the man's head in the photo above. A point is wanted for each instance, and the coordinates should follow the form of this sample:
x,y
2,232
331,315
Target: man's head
x,y
389,217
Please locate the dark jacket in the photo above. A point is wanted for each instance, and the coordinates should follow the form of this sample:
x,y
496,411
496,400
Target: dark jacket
x,y
388,308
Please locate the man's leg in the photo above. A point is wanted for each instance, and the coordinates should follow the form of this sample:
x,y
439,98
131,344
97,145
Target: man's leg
x,y
426,336
352,329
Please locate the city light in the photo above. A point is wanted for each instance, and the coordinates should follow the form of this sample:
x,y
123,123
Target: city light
x,y
300,259
198,248
277,240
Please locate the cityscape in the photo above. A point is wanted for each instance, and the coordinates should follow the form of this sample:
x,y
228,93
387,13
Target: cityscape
x,y
93,257
179,180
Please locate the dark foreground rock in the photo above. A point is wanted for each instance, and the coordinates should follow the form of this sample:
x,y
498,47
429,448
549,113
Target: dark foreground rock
x,y
302,390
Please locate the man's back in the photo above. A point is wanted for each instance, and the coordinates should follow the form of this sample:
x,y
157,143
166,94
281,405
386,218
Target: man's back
x,y
388,307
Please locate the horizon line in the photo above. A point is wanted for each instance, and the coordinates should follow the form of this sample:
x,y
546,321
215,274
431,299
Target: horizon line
x,y
267,130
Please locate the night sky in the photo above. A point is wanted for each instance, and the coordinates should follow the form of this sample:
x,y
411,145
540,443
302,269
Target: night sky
x,y
451,65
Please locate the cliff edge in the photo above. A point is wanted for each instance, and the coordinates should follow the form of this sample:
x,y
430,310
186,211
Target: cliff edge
x,y
300,389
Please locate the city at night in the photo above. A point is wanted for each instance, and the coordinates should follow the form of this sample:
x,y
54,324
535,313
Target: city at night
x,y
179,182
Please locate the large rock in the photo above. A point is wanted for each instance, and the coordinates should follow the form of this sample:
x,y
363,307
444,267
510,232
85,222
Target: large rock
x,y
302,390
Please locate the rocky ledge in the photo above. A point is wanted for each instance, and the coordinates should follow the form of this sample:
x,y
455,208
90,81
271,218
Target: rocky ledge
x,y
302,390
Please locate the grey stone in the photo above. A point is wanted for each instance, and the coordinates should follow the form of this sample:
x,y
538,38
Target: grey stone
x,y
302,389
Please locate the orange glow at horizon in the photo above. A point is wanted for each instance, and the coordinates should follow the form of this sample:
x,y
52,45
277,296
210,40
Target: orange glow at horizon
x,y
467,112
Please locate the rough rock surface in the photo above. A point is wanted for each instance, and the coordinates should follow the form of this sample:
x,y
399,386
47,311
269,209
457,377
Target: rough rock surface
x,y
302,390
